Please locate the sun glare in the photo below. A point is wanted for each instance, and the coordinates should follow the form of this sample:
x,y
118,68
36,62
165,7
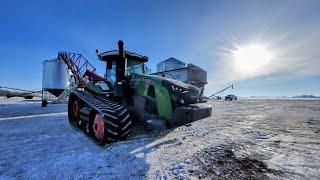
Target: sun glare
x,y
251,58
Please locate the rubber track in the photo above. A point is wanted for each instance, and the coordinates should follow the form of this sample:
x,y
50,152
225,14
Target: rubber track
x,y
116,117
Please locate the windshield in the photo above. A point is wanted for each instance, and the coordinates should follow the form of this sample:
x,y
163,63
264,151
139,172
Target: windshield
x,y
132,67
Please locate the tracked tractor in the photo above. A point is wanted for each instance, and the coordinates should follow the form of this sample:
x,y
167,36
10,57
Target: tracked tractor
x,y
105,108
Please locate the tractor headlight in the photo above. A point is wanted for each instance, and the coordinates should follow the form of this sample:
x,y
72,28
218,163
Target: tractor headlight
x,y
177,88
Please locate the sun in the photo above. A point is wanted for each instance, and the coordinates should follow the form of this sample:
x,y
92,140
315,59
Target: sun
x,y
251,58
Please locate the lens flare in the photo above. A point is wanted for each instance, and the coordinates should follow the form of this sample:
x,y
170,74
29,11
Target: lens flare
x,y
251,58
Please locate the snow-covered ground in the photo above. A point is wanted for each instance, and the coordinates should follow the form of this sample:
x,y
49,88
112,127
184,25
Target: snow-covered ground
x,y
242,139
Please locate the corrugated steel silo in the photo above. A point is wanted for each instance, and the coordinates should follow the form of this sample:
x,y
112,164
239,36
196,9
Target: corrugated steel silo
x,y
55,76
170,64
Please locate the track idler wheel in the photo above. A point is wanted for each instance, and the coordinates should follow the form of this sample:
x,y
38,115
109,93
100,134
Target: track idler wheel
x,y
99,129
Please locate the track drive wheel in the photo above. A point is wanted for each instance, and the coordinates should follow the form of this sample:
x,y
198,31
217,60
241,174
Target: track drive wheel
x,y
108,130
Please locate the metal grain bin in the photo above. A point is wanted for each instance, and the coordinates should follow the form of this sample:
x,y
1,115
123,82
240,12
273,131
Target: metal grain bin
x,y
191,75
55,76
170,64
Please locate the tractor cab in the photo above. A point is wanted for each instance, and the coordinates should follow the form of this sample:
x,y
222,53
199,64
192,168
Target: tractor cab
x,y
120,65
132,65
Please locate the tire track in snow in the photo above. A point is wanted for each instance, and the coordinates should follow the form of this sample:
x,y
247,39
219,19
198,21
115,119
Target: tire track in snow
x,y
33,116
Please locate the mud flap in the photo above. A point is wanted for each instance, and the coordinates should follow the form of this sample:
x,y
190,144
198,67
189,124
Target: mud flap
x,y
186,114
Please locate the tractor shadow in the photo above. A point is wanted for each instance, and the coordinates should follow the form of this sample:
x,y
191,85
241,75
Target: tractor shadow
x,y
43,147
128,159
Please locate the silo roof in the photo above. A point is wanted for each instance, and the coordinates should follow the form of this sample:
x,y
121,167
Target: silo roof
x,y
53,60
172,59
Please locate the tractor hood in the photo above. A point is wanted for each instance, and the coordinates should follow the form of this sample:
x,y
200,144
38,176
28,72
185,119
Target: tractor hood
x,y
178,83
181,93
167,81
171,81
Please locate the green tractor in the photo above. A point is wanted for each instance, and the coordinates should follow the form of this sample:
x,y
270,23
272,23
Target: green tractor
x,y
105,108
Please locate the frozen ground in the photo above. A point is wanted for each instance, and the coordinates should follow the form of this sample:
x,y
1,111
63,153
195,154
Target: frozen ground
x,y
259,139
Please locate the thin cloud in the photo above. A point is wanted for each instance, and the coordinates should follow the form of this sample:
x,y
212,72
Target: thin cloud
x,y
296,56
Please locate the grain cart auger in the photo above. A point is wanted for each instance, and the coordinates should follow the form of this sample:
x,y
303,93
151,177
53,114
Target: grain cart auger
x,y
105,108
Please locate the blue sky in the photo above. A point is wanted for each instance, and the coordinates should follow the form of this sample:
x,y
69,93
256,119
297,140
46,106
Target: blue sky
x,y
202,33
